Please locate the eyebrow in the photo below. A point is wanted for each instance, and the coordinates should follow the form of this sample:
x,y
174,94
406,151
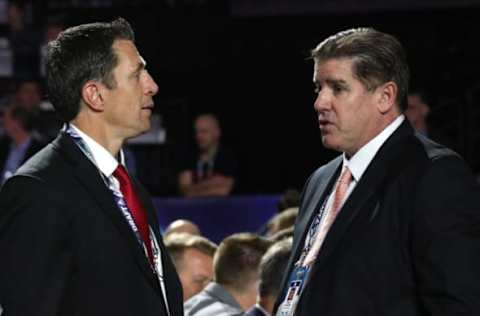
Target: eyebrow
x,y
336,81
330,80
140,66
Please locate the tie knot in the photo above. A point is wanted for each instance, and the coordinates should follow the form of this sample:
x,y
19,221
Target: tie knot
x,y
121,174
346,176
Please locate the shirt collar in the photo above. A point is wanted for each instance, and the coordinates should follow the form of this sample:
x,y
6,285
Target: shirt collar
x,y
359,162
260,307
104,160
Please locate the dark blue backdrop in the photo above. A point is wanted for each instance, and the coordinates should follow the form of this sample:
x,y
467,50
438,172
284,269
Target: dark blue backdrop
x,y
219,217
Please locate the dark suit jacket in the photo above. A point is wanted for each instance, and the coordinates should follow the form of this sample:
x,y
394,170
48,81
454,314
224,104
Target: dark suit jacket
x,y
66,249
405,243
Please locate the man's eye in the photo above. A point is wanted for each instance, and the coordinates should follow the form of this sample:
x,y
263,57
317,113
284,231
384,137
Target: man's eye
x,y
337,88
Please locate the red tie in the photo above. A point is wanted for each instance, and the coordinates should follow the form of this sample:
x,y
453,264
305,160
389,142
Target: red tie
x,y
136,208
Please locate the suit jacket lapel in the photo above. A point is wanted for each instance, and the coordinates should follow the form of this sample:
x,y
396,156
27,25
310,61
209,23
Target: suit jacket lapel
x,y
169,273
316,192
374,177
88,175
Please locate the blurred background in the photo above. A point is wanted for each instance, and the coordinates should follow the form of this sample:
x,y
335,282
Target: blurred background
x,y
246,61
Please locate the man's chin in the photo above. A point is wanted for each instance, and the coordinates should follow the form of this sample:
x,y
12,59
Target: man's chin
x,y
140,132
329,143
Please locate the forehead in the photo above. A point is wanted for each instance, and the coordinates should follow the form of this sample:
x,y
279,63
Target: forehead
x,y
194,254
206,122
127,53
334,69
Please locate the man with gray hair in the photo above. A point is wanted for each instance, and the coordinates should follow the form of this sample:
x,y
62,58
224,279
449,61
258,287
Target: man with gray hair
x,y
390,227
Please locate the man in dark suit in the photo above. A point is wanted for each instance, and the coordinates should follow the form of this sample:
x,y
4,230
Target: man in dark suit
x,y
78,236
391,227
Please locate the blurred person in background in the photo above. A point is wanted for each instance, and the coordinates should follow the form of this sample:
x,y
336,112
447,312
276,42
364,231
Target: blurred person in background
x,y
193,259
284,220
235,278
417,112
182,226
211,168
289,198
28,93
19,143
24,40
272,269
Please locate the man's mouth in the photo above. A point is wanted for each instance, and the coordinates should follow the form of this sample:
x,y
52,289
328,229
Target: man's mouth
x,y
148,107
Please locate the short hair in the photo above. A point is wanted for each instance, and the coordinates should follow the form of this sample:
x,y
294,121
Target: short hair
x,y
283,220
81,53
236,261
282,234
273,266
178,243
182,226
377,58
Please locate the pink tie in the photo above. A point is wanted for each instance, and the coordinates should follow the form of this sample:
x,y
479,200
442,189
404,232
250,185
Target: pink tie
x,y
342,186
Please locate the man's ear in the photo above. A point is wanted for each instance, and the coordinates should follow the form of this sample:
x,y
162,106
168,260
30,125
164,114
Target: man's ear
x,y
92,95
387,97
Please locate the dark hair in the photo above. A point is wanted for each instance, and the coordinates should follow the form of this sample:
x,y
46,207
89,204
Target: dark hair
x,y
236,261
377,58
273,266
79,54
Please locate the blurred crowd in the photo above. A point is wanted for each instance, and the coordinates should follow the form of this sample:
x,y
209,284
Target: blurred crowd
x,y
240,276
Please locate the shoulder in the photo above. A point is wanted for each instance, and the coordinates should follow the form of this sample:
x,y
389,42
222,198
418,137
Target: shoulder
x,y
211,301
210,307
198,302
42,163
435,151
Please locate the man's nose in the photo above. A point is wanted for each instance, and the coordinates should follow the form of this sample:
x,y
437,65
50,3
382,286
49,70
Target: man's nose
x,y
151,87
322,101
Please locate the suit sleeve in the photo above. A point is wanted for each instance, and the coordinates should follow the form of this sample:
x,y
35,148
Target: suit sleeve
x,y
446,239
36,256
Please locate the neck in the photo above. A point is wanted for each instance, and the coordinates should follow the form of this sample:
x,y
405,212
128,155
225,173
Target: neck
x,y
372,133
99,133
267,303
245,298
